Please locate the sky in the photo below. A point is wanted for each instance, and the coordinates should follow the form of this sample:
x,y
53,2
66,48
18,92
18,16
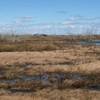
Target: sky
x,y
49,16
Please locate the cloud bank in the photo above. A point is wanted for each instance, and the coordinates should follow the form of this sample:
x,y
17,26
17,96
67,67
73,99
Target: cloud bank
x,y
72,25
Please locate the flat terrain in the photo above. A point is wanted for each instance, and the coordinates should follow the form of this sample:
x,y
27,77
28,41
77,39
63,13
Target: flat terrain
x,y
68,73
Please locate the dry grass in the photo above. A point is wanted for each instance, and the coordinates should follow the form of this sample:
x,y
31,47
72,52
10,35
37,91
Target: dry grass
x,y
40,43
32,43
74,59
83,60
48,94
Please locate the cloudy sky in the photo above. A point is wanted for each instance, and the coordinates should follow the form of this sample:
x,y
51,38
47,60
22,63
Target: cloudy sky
x,y
49,16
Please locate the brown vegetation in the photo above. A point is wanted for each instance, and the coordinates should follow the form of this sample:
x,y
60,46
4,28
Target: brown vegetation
x,y
53,68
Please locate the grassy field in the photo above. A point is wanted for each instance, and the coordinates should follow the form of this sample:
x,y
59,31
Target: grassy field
x,y
13,43
49,68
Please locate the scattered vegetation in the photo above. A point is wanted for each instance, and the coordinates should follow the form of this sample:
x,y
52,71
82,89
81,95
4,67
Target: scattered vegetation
x,y
11,43
54,68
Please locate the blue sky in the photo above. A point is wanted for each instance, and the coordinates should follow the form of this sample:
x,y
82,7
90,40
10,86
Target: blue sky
x,y
49,16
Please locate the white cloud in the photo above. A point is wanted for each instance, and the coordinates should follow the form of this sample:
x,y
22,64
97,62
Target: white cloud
x,y
74,24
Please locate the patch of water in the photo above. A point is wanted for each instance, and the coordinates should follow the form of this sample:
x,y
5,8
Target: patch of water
x,y
94,87
96,42
46,77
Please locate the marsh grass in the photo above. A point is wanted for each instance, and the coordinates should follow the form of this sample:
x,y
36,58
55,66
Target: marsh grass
x,y
63,71
11,43
17,77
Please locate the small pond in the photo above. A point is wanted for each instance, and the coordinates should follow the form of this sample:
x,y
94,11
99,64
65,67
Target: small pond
x,y
95,42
